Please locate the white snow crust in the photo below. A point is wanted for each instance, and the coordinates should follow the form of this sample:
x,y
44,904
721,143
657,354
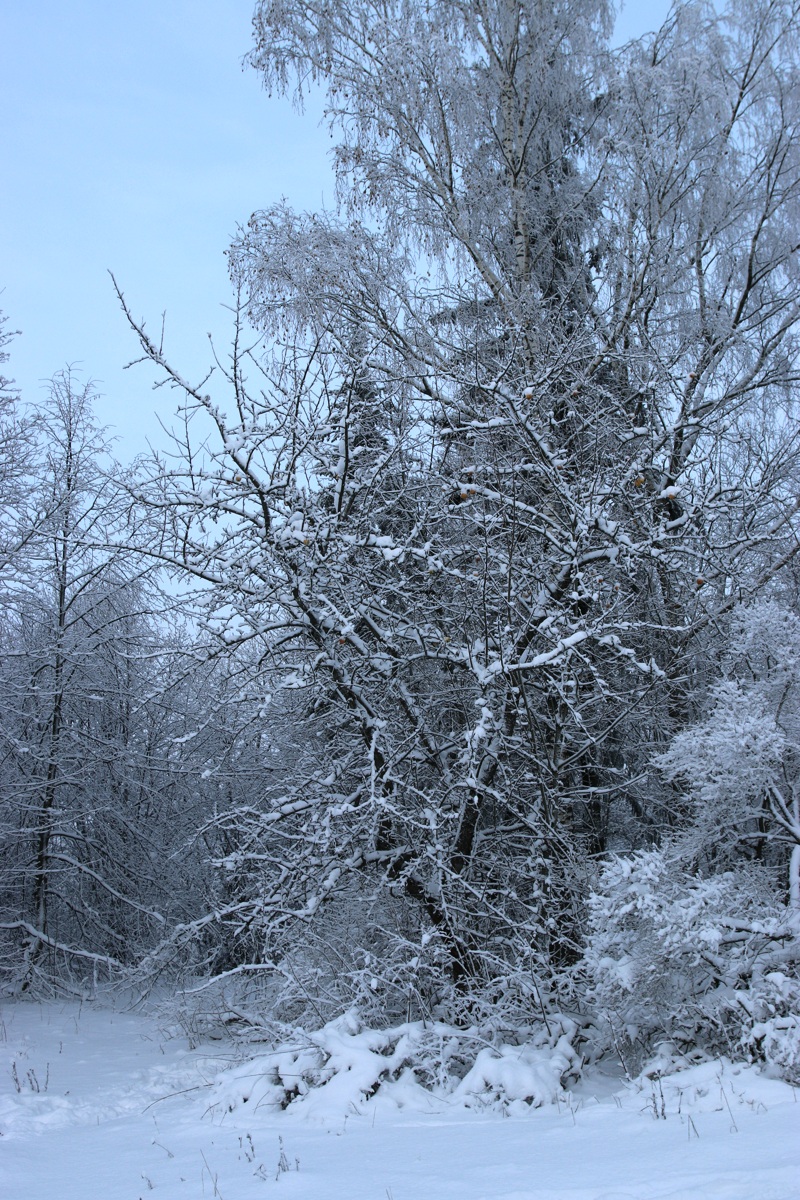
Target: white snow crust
x,y
96,1103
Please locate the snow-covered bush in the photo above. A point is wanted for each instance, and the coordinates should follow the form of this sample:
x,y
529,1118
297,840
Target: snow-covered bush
x,y
726,765
697,942
738,767
773,1004
331,1072
692,960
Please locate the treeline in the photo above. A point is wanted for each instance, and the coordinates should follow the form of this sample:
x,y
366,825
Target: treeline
x,y
481,701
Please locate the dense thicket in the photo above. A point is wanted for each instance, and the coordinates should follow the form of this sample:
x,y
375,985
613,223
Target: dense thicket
x,y
479,516
119,735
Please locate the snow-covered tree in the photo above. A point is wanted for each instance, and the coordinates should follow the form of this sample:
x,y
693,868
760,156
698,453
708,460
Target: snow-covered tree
x,y
15,459
100,787
515,429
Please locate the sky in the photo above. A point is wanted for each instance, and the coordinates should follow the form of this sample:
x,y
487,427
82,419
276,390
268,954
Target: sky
x,y
134,141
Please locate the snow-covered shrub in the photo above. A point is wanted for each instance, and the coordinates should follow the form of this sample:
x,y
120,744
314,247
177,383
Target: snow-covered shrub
x,y
728,766
330,1072
773,1004
697,942
737,768
360,953
349,959
675,956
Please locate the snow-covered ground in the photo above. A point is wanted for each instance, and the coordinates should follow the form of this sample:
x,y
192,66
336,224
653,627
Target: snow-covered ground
x,y
100,1104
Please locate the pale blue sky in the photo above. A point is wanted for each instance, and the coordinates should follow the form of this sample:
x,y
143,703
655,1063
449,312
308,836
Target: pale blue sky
x,y
133,140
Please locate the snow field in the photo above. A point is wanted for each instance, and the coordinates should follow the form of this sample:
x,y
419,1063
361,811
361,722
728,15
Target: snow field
x,y
103,1104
